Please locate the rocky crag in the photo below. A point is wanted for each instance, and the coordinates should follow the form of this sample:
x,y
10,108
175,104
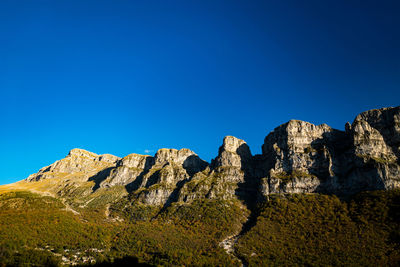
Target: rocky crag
x,y
297,157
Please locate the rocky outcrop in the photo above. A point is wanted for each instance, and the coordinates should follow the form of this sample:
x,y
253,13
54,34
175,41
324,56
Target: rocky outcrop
x,y
234,152
300,157
229,177
297,157
183,157
376,133
79,162
128,169
375,137
155,180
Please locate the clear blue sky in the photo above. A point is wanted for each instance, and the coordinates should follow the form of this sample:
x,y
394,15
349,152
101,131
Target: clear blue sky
x,y
123,77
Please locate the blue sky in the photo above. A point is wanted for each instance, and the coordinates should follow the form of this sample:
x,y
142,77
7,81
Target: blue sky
x,y
125,77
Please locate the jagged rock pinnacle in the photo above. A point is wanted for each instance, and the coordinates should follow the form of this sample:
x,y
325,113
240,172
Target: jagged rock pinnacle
x,y
233,153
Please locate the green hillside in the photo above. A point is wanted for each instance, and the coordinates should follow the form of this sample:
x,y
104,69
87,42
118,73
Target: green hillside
x,y
300,229
321,230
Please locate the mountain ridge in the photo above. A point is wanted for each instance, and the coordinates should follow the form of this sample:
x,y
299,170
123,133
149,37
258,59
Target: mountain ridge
x,y
297,156
227,203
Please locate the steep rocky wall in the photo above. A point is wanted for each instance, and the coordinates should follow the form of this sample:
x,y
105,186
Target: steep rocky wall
x,y
375,149
228,176
297,157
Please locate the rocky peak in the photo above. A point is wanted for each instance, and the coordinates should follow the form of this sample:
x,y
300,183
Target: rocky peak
x,y
231,144
381,118
234,152
166,168
295,135
137,161
80,160
77,161
377,133
184,157
297,155
108,158
78,152
368,141
178,157
229,177
128,169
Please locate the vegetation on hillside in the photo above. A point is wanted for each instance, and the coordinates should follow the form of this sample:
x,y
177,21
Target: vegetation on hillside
x,y
299,229
321,230
41,227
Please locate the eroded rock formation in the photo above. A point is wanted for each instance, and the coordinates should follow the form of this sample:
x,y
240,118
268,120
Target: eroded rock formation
x,y
78,162
297,157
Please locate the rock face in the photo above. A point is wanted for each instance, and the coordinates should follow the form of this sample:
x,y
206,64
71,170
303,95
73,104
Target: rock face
x,y
227,176
300,157
127,170
297,157
152,180
79,162
375,137
234,152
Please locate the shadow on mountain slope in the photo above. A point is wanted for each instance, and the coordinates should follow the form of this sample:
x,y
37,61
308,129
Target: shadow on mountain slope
x,y
248,191
100,177
135,185
192,165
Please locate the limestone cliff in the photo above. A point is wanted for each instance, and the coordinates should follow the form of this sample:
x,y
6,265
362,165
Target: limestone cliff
x,y
297,157
152,180
227,176
375,137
